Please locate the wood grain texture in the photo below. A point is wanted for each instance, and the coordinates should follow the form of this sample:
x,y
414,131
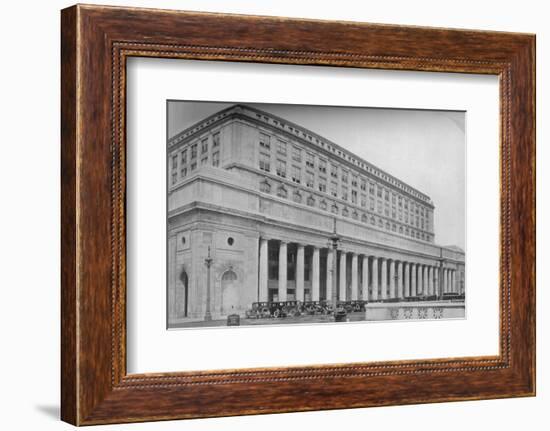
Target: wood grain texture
x,y
96,41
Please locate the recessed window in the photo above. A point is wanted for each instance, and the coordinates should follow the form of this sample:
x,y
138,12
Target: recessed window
x,y
230,241
183,240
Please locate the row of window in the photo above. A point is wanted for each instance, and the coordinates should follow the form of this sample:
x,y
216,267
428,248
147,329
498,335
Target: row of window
x,y
265,159
351,159
399,212
299,197
189,164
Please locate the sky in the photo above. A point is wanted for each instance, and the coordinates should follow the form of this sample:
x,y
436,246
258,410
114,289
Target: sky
x,y
425,149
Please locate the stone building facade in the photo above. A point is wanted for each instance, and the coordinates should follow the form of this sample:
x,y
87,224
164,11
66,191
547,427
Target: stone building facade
x,y
261,197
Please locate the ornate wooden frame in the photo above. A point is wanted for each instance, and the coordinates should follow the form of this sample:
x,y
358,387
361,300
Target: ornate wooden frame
x,y
95,43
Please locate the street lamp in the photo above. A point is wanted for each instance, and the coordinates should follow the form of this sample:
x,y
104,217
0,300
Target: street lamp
x,y
208,261
334,240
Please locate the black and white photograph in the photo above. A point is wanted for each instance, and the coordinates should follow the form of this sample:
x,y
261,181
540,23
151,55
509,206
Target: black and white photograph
x,y
294,214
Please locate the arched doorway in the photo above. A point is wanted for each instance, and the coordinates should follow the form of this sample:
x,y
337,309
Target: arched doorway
x,y
230,297
182,296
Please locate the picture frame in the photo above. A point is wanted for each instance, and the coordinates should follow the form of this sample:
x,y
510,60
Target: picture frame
x,y
96,42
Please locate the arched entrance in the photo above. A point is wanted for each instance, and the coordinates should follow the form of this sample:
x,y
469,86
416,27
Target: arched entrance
x,y
182,296
230,297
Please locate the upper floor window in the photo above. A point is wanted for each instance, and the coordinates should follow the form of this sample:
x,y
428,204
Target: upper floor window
x,y
371,188
265,162
296,154
363,185
387,195
193,151
354,196
354,181
344,176
322,185
204,145
344,193
281,147
334,189
323,166
204,160
371,204
216,159
216,139
334,171
309,179
265,141
296,174
363,200
193,166
183,172
174,162
379,192
281,168
184,157
174,177
309,160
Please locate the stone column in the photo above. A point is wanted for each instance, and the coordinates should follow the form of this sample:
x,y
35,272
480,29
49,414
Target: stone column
x,y
413,279
392,279
354,278
400,280
300,266
374,278
263,289
342,291
436,287
330,257
426,280
282,271
445,281
430,280
419,280
407,279
384,278
315,275
365,281
453,281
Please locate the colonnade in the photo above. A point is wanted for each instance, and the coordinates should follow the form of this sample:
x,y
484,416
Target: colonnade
x,y
371,277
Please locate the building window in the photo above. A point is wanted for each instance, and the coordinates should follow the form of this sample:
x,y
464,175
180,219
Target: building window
x,y
364,218
380,223
323,205
296,174
193,166
363,200
309,179
393,198
183,172
193,151
204,160
323,166
387,196
400,229
379,192
265,141
297,197
216,139
354,181
406,205
393,227
216,159
184,157
387,225
174,162
265,164
334,171
372,220
354,215
344,193
371,204
393,212
345,177
322,185
281,147
371,188
334,189
354,196
296,154
174,177
281,168
204,145
309,160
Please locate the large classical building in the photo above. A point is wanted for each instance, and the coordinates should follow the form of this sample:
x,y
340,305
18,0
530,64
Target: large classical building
x,y
253,202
